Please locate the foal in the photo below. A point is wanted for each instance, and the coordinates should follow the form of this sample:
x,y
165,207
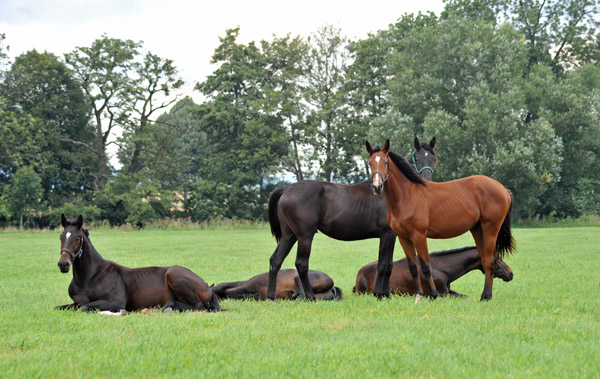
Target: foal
x,y
103,285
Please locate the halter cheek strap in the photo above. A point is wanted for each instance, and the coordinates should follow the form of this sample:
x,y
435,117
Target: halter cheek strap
x,y
422,168
384,178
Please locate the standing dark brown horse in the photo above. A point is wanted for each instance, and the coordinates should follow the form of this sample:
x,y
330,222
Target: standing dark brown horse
x,y
447,266
418,210
343,212
288,287
103,285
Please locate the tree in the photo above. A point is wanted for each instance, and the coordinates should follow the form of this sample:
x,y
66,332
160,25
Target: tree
x,y
462,82
149,93
245,141
44,88
334,143
22,197
103,70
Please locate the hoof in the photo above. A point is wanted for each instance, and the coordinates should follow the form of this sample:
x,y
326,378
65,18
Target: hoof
x,y
167,310
418,298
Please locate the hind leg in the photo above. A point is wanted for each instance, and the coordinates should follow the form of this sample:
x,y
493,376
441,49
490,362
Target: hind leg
x,y
302,257
486,246
188,288
281,252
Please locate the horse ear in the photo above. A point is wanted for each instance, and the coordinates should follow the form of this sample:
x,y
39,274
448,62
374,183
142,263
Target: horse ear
x,y
386,146
417,144
79,222
369,147
432,143
63,220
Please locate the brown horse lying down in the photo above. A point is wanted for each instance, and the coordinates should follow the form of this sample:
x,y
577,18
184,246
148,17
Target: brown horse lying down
x,y
447,266
288,287
103,285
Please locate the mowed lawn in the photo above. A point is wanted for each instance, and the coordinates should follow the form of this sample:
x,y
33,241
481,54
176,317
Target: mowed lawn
x,y
545,323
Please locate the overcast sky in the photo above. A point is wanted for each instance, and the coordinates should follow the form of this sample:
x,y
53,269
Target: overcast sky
x,y
188,31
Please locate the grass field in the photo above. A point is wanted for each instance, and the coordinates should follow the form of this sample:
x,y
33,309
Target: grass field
x,y
545,323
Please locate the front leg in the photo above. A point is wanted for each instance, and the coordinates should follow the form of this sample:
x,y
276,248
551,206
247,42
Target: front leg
x,y
384,265
72,306
103,305
411,255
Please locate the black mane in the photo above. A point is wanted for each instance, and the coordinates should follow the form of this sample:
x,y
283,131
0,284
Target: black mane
x,y
407,170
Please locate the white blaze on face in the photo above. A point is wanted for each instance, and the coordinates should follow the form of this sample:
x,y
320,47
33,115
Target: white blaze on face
x,y
376,178
67,239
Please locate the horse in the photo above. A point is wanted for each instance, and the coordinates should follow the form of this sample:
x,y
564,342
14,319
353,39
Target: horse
x,y
288,287
447,266
342,212
102,285
419,209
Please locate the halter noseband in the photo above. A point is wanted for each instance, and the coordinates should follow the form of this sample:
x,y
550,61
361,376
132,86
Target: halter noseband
x,y
73,255
414,161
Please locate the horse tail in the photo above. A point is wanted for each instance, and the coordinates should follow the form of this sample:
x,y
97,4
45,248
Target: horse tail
x,y
505,243
273,218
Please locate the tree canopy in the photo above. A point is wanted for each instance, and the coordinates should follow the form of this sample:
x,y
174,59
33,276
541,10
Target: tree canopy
x,y
510,89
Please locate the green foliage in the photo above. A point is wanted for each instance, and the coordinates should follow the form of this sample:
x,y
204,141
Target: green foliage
x,y
44,88
22,198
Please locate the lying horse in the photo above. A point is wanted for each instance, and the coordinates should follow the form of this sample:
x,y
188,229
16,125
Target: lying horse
x,y
103,285
447,266
288,287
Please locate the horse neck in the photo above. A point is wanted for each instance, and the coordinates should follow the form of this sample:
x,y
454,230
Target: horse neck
x,y
88,263
455,265
396,186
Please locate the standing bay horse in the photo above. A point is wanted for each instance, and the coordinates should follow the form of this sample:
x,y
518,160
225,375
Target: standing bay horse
x,y
446,266
103,285
418,210
343,212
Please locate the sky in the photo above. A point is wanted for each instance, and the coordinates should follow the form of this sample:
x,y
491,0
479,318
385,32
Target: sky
x,y
188,31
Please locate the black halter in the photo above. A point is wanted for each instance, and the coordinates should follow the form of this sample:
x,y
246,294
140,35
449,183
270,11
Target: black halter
x,y
73,255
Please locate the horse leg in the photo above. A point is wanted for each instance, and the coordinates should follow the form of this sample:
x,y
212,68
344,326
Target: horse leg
x,y
384,265
409,251
281,251
302,257
103,305
420,243
188,288
485,247
72,306
490,234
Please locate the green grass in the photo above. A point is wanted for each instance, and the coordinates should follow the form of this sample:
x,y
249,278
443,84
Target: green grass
x,y
544,323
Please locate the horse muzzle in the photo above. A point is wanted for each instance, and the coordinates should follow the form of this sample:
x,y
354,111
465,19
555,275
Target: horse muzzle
x,y
377,189
65,262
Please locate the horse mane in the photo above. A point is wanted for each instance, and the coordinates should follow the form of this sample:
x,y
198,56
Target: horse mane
x,y
451,251
407,170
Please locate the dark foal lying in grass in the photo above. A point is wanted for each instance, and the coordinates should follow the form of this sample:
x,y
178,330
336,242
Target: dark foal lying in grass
x,y
103,285
447,266
288,287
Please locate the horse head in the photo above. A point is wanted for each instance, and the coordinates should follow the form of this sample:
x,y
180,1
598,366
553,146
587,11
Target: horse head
x,y
379,164
71,242
502,270
424,158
